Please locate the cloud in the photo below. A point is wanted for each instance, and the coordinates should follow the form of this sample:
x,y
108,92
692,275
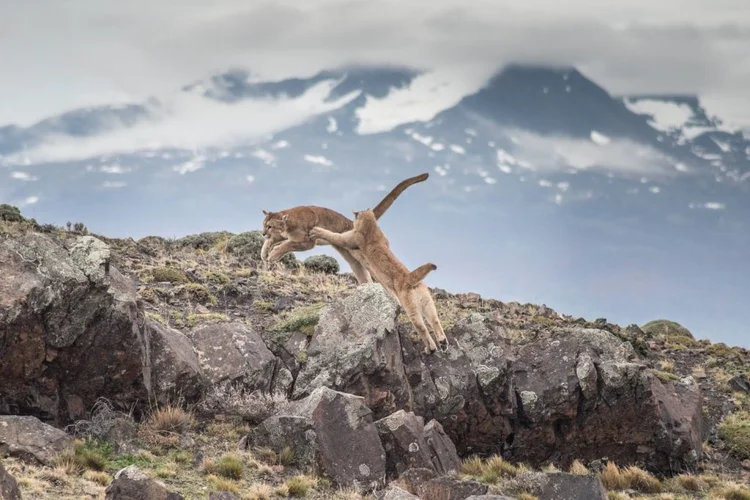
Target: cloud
x,y
114,184
129,51
192,122
31,200
559,153
23,176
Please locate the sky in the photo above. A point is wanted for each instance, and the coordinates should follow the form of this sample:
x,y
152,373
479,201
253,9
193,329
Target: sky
x,y
58,56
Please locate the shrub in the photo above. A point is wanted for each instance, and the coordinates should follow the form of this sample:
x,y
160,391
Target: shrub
x,y
170,419
322,264
253,407
298,486
170,274
665,329
198,293
203,241
578,468
302,320
9,213
735,430
229,466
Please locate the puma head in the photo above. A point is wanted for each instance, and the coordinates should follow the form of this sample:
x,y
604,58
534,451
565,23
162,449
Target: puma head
x,y
363,217
273,223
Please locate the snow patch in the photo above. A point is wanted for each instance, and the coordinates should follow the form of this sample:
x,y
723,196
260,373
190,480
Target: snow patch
x,y
265,156
599,139
332,125
23,176
319,160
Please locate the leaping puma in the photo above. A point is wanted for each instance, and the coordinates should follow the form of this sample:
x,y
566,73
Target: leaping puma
x,y
408,288
288,230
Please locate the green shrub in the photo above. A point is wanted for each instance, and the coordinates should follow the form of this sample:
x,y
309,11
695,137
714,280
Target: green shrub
x,y
249,244
322,264
170,274
735,430
9,213
203,241
666,329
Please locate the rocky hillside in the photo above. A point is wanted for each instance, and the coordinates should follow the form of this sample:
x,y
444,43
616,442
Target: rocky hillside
x,y
132,369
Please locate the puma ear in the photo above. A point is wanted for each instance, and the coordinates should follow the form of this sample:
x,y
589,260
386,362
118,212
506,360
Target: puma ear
x,y
265,213
356,214
284,217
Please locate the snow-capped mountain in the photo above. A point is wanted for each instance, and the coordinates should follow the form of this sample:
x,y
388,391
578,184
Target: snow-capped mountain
x,y
539,175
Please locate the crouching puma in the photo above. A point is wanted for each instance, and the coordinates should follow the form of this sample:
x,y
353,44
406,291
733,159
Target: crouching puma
x,y
407,287
288,230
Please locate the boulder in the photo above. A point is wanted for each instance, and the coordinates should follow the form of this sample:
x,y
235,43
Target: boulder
x,y
396,493
489,497
450,488
441,449
402,436
412,478
561,486
174,364
131,483
278,432
583,395
232,352
8,486
30,439
349,449
68,327
740,383
354,350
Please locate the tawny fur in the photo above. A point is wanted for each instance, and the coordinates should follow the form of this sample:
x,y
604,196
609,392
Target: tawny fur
x,y
407,287
288,230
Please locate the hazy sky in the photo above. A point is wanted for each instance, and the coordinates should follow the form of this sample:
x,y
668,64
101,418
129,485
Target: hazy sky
x,y
57,55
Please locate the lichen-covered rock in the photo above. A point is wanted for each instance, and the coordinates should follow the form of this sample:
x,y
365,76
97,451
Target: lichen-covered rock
x,y
396,493
278,432
441,449
561,486
450,488
30,439
232,352
8,486
402,436
354,350
131,483
174,364
349,447
69,327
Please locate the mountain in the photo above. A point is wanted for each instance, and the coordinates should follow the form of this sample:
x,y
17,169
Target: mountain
x,y
539,178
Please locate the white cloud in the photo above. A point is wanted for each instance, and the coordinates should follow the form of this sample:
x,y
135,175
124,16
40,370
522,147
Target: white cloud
x,y
191,165
559,153
250,179
190,122
23,176
709,205
31,200
114,169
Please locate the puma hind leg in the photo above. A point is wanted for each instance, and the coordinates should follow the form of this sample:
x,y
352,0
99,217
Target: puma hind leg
x,y
430,313
414,313
359,270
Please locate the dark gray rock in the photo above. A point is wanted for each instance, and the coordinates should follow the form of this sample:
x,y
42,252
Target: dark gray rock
x,y
450,488
402,435
441,449
131,483
561,486
278,432
740,383
412,478
396,493
8,486
349,447
30,439
174,364
69,327
232,352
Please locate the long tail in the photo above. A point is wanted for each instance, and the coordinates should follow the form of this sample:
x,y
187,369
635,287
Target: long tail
x,y
386,202
417,275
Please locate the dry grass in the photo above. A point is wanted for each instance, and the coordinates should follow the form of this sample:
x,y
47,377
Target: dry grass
x,y
731,492
170,419
735,430
490,471
229,466
666,365
98,477
578,468
299,485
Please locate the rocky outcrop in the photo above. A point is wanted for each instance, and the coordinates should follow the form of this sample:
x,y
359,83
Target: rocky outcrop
x,y
72,331
131,483
450,488
8,486
68,329
332,430
573,393
32,440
